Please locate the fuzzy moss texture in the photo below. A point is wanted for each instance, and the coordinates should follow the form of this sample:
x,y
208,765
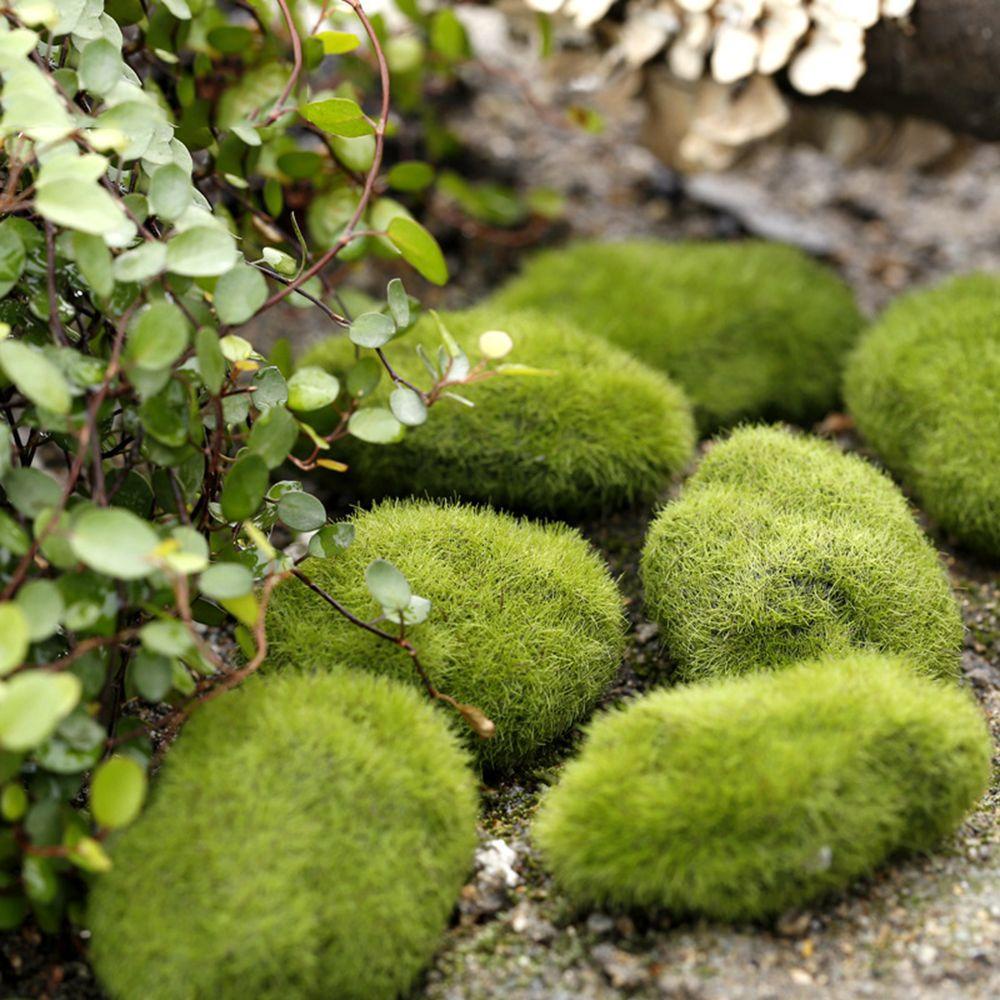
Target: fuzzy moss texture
x,y
748,330
924,388
782,548
748,797
602,432
526,622
307,839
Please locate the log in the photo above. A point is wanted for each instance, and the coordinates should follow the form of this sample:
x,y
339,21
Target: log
x,y
945,65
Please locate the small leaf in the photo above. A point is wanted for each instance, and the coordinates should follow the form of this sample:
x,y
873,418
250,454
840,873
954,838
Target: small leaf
x,y
34,703
399,303
15,637
419,249
167,636
201,252
100,66
336,43
337,116
364,377
270,389
375,425
152,674
42,604
117,792
330,538
407,406
35,376
372,329
158,336
211,363
225,581
410,175
301,511
115,542
312,388
388,586
244,488
170,192
273,435
12,258
140,264
239,293
93,258
417,610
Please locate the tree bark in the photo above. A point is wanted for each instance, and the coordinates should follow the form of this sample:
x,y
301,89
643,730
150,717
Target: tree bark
x,y
946,66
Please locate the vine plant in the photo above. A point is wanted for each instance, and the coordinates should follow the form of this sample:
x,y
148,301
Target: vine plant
x,y
142,518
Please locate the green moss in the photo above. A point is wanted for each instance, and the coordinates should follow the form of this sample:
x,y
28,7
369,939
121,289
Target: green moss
x,y
748,330
525,623
924,388
781,548
744,798
307,839
603,432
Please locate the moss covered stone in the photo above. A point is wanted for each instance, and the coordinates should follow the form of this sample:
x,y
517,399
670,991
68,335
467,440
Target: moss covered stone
x,y
924,388
748,330
782,548
742,799
307,839
526,623
602,432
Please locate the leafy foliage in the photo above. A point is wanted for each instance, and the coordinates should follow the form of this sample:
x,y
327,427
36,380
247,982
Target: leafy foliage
x,y
781,548
748,330
924,388
593,429
145,442
320,828
533,634
749,797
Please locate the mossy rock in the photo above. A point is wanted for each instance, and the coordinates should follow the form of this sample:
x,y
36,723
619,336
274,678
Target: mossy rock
x,y
782,548
924,388
602,432
742,799
749,330
307,838
526,623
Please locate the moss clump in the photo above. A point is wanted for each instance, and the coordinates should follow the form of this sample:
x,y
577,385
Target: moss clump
x,y
526,623
307,839
604,431
781,548
924,387
739,800
748,330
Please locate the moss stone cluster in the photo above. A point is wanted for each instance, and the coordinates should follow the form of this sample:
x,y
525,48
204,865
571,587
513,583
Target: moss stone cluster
x,y
924,388
742,799
748,330
526,623
307,839
781,548
601,432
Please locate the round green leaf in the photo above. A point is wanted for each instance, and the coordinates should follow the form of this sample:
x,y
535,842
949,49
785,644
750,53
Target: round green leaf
x,y
115,542
35,376
211,362
117,792
337,116
411,175
31,491
224,581
152,674
301,511
100,66
364,377
12,258
375,425
330,538
244,487
273,435
311,388
201,252
167,636
158,336
407,406
419,249
399,303
388,586
15,636
372,329
144,262
239,293
170,192
42,605
33,704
